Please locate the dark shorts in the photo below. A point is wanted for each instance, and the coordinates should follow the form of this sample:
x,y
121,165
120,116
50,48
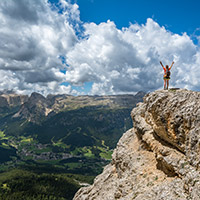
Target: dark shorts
x,y
166,78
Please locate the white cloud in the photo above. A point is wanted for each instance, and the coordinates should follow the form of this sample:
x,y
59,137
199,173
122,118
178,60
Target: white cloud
x,y
70,10
127,60
32,37
34,34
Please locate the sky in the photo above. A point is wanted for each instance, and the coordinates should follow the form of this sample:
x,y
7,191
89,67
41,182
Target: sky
x,y
98,47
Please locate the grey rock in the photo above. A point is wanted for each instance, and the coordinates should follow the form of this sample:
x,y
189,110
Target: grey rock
x,y
12,100
158,159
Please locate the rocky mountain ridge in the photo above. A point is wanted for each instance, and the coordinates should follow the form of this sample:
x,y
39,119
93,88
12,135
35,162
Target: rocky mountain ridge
x,y
7,100
159,157
36,107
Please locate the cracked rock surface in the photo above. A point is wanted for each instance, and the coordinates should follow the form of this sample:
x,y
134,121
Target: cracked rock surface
x,y
159,158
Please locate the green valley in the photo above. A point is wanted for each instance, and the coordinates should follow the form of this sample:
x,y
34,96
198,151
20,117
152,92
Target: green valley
x,y
58,137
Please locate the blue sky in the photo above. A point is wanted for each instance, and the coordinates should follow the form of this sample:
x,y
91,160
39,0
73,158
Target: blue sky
x,y
98,46
177,16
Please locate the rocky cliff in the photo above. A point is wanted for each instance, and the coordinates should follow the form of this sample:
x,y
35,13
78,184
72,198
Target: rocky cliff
x,y
35,108
12,100
159,158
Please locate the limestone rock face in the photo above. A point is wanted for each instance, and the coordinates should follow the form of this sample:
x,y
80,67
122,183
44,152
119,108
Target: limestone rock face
x,y
159,158
35,108
12,100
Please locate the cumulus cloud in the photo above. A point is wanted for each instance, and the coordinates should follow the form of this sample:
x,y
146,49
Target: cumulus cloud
x,y
127,60
36,36
32,38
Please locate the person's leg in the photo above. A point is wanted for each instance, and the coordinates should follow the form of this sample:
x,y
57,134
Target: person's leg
x,y
164,84
167,83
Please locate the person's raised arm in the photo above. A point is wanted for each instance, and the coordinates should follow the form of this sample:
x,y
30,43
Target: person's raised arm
x,y
161,64
171,65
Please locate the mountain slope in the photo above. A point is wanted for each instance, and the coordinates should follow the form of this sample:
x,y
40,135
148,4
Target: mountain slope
x,y
159,157
59,127
60,117
58,140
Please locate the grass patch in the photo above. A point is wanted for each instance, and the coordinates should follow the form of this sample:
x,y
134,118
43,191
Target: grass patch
x,y
27,140
73,165
4,145
88,152
85,151
106,155
2,135
5,186
61,144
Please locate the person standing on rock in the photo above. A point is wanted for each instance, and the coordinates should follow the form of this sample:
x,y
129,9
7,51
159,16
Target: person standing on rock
x,y
167,73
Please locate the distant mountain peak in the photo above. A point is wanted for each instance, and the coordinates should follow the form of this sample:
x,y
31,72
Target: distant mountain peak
x,y
11,100
36,95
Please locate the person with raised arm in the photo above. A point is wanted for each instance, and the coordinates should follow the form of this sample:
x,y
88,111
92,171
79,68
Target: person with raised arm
x,y
167,74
